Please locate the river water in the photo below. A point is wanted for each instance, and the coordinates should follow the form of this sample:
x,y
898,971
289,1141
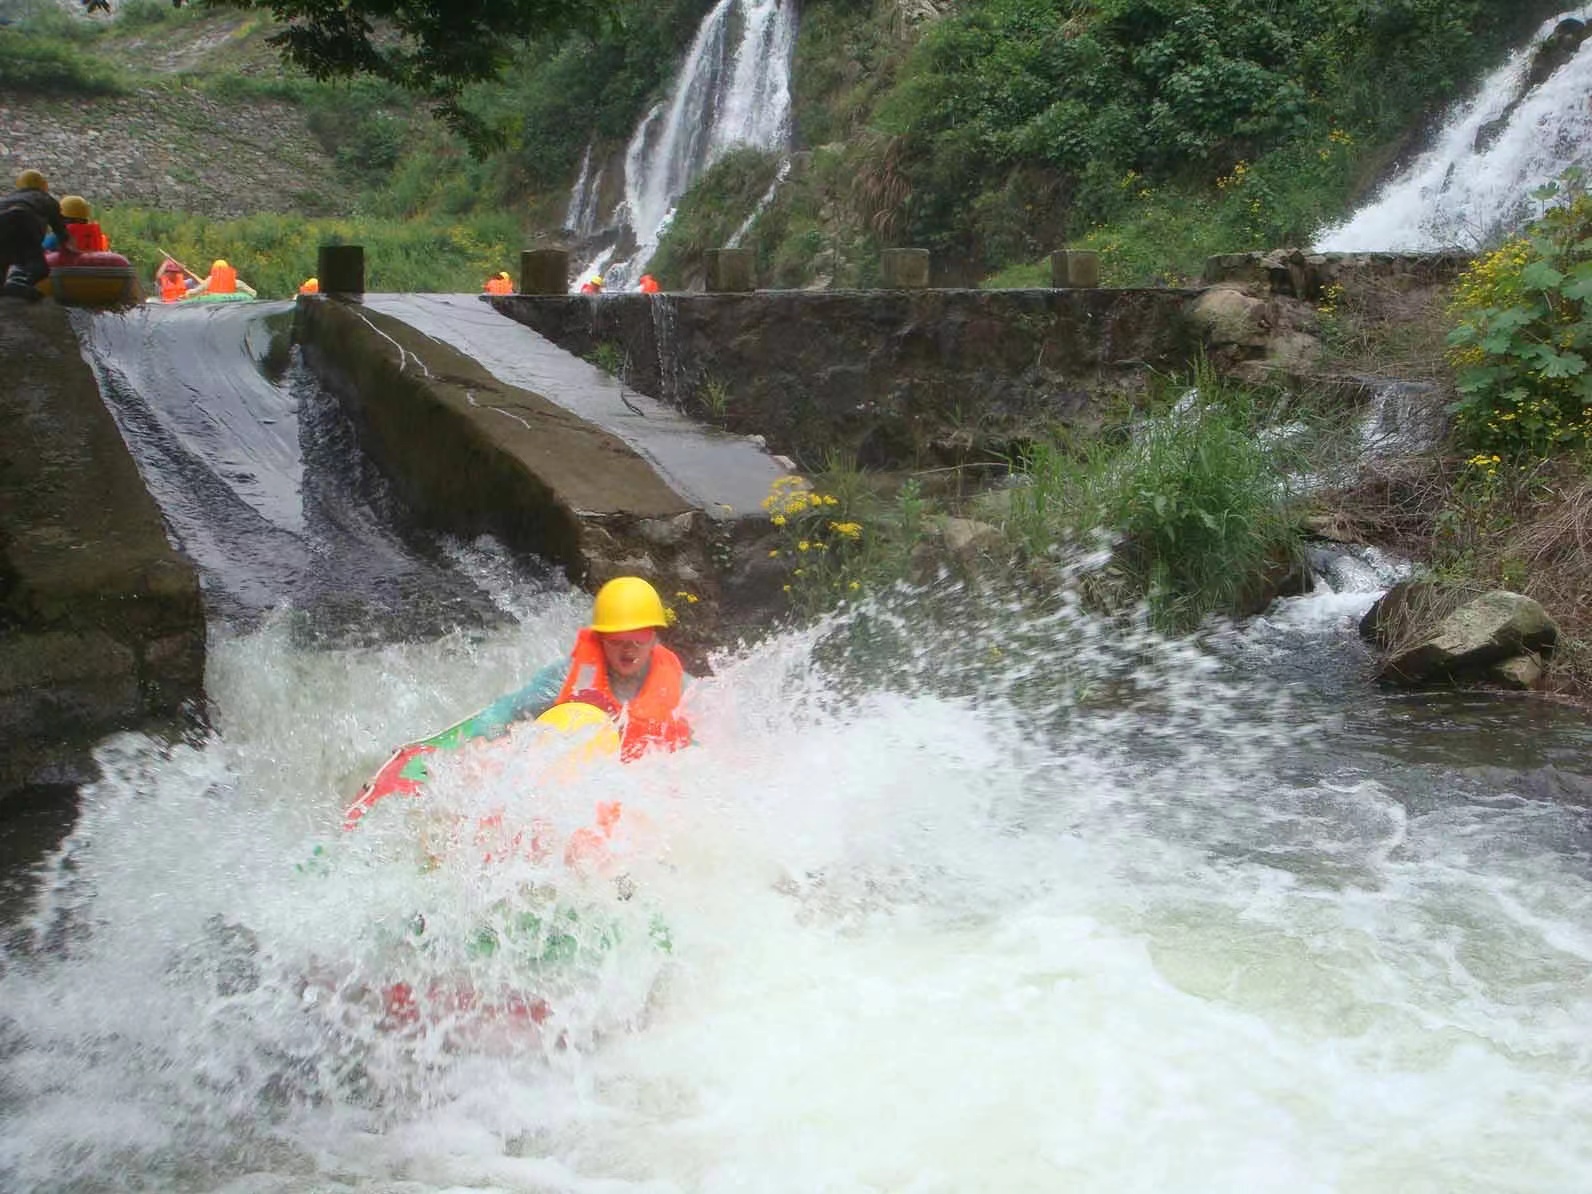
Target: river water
x,y
954,894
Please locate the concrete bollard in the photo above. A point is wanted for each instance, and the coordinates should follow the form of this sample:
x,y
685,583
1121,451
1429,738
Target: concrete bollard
x,y
341,269
730,271
544,271
904,269
1071,269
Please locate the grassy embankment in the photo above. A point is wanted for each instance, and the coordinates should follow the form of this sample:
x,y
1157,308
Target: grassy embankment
x,y
431,215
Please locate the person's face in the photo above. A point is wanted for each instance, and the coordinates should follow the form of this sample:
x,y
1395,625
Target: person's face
x,y
627,653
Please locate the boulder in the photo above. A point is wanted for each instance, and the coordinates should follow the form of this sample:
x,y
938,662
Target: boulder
x,y
1225,316
1468,642
1520,672
966,539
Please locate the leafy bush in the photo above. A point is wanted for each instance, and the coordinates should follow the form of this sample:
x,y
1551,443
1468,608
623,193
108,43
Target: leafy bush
x,y
1524,338
1200,503
1174,94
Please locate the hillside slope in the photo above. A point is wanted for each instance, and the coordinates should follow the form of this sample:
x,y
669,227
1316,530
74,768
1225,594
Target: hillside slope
x,y
152,133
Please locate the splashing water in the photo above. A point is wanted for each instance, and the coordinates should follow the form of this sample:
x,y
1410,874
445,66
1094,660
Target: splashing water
x,y
958,895
1466,192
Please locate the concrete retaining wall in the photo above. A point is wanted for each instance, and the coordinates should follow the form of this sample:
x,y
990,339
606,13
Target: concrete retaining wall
x,y
901,378
101,623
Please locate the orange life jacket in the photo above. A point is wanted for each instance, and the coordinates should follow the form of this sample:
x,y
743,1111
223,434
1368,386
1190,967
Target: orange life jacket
x,y
87,236
499,286
172,287
649,284
223,280
649,721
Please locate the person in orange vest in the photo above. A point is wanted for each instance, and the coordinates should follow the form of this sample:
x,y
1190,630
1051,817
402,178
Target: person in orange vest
x,y
173,282
310,286
27,215
649,284
84,234
499,283
618,665
223,279
592,285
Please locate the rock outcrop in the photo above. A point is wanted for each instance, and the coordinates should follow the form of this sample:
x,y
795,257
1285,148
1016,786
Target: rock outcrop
x,y
1435,635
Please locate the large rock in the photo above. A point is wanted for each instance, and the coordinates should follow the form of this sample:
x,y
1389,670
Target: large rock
x,y
1465,643
1227,316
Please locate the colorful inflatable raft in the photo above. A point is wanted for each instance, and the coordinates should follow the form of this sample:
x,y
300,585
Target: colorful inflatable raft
x,y
102,279
547,938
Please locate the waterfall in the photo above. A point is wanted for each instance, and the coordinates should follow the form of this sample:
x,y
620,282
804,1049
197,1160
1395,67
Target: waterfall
x,y
1474,184
731,91
581,218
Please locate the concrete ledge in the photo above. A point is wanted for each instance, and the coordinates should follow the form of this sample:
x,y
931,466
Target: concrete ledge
x,y
101,623
469,454
899,378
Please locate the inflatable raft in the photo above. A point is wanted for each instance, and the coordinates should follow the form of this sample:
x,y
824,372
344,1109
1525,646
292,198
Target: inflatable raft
x,y
90,279
549,940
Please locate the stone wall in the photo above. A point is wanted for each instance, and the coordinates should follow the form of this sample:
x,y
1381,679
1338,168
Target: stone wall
x,y
897,378
101,623
1294,273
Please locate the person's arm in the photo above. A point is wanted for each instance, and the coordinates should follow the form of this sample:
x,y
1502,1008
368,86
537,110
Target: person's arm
x,y
57,221
530,702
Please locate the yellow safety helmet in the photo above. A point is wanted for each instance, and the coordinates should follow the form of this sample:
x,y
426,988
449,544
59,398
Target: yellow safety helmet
x,y
31,180
627,603
597,279
218,263
504,274
75,207
592,732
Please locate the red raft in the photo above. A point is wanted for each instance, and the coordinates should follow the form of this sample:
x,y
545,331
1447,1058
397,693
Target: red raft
x,y
98,279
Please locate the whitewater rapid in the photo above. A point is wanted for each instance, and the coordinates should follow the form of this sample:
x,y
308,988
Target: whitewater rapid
x,y
945,912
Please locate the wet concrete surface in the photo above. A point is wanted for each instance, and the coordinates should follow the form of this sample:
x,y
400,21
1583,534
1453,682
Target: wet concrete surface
x,y
260,478
726,476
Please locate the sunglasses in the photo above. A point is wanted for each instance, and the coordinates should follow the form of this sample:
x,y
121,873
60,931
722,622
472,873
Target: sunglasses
x,y
631,636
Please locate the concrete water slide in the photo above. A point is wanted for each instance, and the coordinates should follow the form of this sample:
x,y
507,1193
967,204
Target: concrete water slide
x,y
487,427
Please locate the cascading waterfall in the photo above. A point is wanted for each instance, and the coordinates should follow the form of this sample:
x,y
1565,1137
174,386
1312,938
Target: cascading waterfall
x,y
729,94
1475,182
581,218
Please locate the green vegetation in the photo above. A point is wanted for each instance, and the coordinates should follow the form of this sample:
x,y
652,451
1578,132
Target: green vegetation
x,y
1154,131
711,213
840,539
53,66
1198,495
609,357
274,253
1524,339
433,48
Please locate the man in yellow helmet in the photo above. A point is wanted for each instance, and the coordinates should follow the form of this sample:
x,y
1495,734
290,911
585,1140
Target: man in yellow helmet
x,y
27,215
617,664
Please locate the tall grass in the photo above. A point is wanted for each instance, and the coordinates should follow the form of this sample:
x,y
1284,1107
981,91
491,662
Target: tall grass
x,y
1199,500
274,253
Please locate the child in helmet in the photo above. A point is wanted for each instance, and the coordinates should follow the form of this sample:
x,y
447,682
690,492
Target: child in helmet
x,y
617,664
84,234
